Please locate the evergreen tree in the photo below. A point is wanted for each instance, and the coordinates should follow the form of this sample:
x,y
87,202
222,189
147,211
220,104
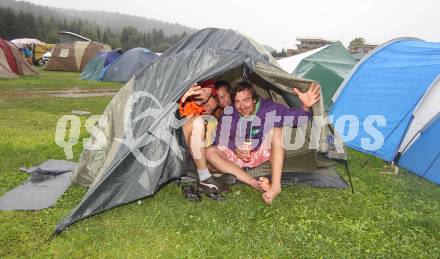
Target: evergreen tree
x,y
45,28
98,34
11,25
2,23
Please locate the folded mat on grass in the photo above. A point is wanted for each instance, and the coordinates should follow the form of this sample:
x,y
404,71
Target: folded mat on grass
x,y
47,182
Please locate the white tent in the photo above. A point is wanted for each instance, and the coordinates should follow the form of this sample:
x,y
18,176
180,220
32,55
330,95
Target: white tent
x,y
290,63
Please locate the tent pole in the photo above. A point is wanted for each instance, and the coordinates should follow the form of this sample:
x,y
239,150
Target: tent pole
x,y
347,169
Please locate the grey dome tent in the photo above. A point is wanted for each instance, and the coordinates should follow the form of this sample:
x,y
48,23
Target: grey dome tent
x,y
122,173
123,69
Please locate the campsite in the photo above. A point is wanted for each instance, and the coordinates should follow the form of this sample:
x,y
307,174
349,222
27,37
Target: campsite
x,y
95,160
385,213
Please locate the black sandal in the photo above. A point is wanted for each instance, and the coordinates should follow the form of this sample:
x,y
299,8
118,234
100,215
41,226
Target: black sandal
x,y
190,193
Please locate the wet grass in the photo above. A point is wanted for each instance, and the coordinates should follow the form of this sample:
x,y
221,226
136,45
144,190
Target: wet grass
x,y
53,80
388,216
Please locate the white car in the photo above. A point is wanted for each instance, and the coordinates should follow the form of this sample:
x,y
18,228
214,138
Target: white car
x,y
45,58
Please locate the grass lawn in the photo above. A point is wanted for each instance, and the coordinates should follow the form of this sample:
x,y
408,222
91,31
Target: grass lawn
x,y
388,216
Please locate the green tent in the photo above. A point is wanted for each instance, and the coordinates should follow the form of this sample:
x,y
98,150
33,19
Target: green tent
x,y
328,65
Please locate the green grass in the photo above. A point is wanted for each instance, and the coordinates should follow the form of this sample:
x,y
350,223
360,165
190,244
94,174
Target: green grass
x,y
49,80
388,216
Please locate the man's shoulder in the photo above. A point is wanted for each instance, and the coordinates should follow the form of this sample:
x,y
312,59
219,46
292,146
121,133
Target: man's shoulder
x,y
268,103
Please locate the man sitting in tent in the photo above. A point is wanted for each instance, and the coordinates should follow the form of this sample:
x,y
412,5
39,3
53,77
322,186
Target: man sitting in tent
x,y
258,143
191,106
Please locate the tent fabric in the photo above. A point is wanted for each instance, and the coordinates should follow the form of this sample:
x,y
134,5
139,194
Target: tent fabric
x,y
80,49
111,56
41,49
24,68
20,43
5,70
399,81
9,56
425,113
323,178
94,69
328,65
423,156
74,56
114,172
125,67
289,64
12,62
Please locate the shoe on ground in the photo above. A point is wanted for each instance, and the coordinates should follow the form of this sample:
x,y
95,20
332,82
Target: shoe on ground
x,y
226,179
190,193
216,196
211,185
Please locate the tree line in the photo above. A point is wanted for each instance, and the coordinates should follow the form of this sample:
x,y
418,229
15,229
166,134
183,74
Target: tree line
x,y
25,25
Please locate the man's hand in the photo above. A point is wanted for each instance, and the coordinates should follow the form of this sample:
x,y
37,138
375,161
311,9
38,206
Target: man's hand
x,y
194,90
243,154
310,97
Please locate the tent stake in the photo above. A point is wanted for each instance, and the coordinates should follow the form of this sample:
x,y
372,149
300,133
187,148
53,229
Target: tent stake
x,y
395,167
347,169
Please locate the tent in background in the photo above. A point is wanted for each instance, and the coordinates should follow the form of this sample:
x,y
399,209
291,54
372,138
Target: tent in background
x,y
22,42
70,37
38,48
114,173
74,56
399,80
328,65
94,69
12,62
125,67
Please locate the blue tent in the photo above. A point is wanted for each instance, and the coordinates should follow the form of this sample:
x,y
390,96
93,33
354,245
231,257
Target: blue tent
x,y
125,67
399,81
93,69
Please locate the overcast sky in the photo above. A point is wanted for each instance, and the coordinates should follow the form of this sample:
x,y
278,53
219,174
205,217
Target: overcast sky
x,y
277,23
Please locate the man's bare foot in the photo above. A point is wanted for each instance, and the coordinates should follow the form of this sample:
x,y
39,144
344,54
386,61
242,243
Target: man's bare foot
x,y
256,184
270,195
264,184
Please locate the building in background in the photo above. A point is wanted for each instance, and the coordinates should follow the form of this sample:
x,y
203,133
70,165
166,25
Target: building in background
x,y
308,44
358,52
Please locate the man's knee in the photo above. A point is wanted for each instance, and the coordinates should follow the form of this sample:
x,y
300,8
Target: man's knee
x,y
211,150
198,123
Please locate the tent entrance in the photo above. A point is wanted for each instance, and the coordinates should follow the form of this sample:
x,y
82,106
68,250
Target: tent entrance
x,y
303,166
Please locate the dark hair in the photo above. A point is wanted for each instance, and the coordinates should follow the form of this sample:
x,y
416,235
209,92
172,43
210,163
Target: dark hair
x,y
222,83
242,86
